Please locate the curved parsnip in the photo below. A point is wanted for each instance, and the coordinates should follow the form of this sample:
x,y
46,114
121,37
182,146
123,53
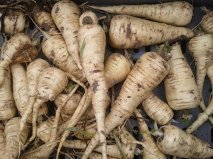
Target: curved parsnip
x,y
207,23
180,86
92,42
157,110
66,17
7,105
178,143
181,11
11,131
147,73
18,49
130,32
14,21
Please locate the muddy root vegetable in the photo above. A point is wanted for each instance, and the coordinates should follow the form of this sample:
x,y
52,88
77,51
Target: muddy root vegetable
x,y
209,110
153,152
18,49
2,141
34,70
12,140
13,21
178,143
51,83
44,20
7,104
56,50
181,12
92,55
180,86
207,23
157,110
201,48
130,32
147,73
66,17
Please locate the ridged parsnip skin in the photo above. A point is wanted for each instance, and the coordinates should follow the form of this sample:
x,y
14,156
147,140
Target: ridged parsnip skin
x,y
92,40
209,110
151,150
174,13
180,87
207,23
178,143
201,48
44,20
44,129
7,104
70,107
147,73
2,141
56,50
66,17
157,109
18,49
20,87
11,131
131,32
117,68
14,21
34,70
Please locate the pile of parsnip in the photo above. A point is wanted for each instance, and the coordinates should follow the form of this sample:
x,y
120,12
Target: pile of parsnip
x,y
58,84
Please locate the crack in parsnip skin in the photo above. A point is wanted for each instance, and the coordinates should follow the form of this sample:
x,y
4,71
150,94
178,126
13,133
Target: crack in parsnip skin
x,y
18,49
164,12
209,110
157,109
148,140
207,23
180,86
66,17
13,22
7,104
201,48
147,73
130,32
12,147
178,143
56,50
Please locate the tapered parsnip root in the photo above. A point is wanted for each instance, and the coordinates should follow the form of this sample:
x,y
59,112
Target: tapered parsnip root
x,y
207,23
34,70
18,49
178,143
180,86
153,152
66,17
201,48
209,110
147,73
157,110
14,21
7,105
44,21
2,141
181,11
13,146
56,50
92,55
130,32
70,107
51,83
